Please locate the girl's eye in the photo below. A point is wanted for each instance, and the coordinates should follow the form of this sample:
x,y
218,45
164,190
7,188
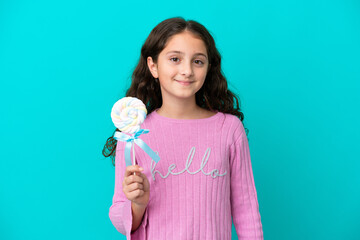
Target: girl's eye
x,y
174,59
199,62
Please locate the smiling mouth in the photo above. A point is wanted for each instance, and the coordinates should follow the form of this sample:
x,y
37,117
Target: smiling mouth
x,y
184,83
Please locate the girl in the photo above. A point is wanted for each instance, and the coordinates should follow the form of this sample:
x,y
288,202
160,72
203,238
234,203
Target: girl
x,y
204,178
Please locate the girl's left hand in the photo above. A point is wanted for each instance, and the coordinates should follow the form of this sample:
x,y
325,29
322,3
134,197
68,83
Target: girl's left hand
x,y
136,187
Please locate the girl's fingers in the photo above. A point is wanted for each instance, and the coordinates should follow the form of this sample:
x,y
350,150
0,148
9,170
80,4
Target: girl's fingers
x,y
145,179
133,168
134,186
133,178
129,189
135,194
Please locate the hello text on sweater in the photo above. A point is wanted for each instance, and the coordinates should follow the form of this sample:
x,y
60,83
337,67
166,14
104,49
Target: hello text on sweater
x,y
214,173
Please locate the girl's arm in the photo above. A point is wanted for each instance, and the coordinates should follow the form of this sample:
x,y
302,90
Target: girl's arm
x,y
137,214
244,203
136,189
125,217
120,210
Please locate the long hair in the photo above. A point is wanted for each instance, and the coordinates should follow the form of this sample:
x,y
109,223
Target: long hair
x,y
214,95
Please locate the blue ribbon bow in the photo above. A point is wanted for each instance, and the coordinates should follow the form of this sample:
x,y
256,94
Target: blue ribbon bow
x,y
135,139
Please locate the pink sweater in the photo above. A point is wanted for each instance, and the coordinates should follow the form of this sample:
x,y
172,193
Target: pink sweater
x,y
203,180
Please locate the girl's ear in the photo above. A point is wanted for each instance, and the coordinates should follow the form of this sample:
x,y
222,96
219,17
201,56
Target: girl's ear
x,y
152,67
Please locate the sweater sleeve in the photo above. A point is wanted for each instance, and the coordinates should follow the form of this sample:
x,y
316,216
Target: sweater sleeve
x,y
120,211
244,203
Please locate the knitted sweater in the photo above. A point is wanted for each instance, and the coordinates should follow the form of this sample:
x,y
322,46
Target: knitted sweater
x,y
203,181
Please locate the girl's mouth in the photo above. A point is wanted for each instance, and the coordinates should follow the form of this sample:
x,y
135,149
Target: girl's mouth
x,y
184,83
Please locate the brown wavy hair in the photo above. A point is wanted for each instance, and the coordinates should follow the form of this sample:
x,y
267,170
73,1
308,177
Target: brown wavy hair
x,y
214,95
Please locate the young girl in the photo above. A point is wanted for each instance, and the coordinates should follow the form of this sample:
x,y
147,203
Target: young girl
x,y
204,178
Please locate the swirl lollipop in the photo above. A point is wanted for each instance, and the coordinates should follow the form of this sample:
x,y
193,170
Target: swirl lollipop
x,y
127,115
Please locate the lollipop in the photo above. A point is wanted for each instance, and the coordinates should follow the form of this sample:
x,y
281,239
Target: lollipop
x,y
127,115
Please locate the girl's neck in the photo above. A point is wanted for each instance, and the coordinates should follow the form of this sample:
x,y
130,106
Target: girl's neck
x,y
183,110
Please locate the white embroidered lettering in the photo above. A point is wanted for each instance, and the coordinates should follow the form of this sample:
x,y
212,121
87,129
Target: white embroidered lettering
x,y
214,173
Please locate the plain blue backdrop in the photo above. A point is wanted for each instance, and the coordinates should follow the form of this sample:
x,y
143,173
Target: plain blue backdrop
x,y
294,64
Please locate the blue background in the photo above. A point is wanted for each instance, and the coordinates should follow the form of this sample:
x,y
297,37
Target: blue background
x,y
294,64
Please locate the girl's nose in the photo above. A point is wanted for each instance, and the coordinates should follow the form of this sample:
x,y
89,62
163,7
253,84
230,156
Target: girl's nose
x,y
186,69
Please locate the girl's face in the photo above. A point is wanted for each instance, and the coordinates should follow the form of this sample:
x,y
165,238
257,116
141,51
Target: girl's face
x,y
181,68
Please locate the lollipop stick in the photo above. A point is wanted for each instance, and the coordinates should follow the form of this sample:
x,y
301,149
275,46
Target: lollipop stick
x,y
133,151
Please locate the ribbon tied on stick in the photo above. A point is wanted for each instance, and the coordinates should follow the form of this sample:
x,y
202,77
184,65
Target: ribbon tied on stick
x,y
130,140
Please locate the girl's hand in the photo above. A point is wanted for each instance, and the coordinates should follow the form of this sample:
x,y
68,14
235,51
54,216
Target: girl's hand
x,y
136,187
